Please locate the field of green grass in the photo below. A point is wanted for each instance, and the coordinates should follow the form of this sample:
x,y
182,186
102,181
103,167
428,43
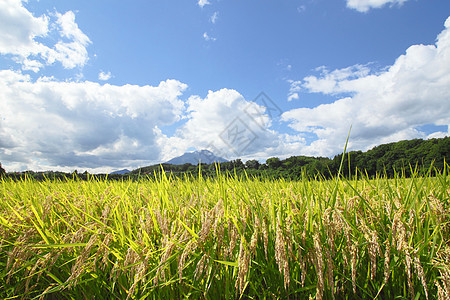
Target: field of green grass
x,y
226,238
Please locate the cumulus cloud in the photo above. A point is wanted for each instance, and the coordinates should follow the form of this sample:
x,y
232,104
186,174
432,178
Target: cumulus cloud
x,y
366,5
104,76
85,124
19,28
382,106
332,82
19,31
72,53
227,124
202,3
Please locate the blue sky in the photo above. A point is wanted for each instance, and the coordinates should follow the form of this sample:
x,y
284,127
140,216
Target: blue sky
x,y
102,85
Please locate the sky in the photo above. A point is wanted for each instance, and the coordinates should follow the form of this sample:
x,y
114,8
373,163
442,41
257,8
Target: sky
x,y
105,85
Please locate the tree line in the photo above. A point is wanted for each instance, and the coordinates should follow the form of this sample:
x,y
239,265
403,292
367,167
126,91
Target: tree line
x,y
405,156
402,157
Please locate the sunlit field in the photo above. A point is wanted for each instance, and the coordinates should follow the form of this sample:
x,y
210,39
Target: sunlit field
x,y
226,238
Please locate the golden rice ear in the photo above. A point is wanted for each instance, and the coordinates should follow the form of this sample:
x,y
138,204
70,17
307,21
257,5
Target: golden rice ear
x,y
243,265
354,250
387,260
161,271
81,262
280,253
330,271
420,273
318,261
188,249
265,233
374,252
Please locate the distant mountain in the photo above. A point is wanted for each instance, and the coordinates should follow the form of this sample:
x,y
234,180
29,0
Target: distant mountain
x,y
121,172
203,156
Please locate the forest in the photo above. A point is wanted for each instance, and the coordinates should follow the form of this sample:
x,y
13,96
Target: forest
x,y
404,157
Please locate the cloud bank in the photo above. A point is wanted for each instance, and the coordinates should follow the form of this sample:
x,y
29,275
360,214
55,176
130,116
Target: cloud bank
x,y
83,124
382,106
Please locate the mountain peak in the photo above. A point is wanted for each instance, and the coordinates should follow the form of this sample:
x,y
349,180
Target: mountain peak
x,y
203,156
121,172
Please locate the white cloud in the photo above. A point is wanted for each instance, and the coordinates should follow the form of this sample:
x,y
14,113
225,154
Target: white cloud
x,y
202,3
214,17
232,127
382,107
208,38
104,76
335,81
69,28
366,5
73,53
294,90
31,65
54,124
19,30
225,123
293,96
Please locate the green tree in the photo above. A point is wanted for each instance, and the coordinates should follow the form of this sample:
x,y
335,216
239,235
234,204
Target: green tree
x,y
252,164
2,171
237,164
273,162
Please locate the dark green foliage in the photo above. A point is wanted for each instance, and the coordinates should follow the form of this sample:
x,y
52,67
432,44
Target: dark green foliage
x,y
403,157
2,171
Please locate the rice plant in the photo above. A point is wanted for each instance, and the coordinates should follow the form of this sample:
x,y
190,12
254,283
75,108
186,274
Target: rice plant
x,y
226,238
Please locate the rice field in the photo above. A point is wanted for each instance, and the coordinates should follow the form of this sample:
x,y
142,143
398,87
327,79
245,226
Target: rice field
x,y
226,238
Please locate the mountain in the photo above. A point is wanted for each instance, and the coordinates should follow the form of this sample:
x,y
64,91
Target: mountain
x,y
203,156
121,172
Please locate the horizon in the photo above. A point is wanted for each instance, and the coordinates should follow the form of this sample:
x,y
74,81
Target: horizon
x,y
191,152
109,86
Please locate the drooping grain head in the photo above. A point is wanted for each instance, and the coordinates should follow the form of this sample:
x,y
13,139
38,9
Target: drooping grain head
x,y
420,273
387,260
330,271
243,265
161,271
280,253
408,262
318,262
188,250
374,251
82,263
265,236
233,237
201,266
354,250
139,276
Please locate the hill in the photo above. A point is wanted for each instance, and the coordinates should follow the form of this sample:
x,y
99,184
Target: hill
x,y
383,159
196,157
405,156
121,172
